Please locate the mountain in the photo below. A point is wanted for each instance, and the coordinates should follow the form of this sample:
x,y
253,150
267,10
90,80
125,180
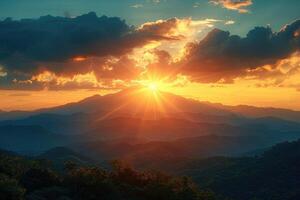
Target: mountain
x,y
272,176
11,115
134,102
168,155
139,113
141,103
58,123
60,155
259,112
138,101
160,129
28,139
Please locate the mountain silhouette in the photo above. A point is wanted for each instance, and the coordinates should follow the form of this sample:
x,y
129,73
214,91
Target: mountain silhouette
x,y
144,116
133,101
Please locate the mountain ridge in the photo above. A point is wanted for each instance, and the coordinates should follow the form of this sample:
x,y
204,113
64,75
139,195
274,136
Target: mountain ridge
x,y
112,101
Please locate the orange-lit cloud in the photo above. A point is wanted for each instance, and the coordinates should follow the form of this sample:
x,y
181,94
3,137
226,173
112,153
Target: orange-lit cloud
x,y
175,28
177,31
285,74
85,43
121,56
297,33
79,58
176,51
238,5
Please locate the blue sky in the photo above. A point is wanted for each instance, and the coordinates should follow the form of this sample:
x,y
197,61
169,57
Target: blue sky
x,y
262,12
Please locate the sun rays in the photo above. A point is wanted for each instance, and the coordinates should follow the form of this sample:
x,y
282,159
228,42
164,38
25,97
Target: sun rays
x,y
146,100
153,87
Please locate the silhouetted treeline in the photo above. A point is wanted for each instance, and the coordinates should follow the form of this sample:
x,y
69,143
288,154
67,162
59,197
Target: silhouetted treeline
x,y
22,178
274,175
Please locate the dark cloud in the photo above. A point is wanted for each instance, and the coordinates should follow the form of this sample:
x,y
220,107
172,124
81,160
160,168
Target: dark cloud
x,y
60,38
221,56
50,43
66,47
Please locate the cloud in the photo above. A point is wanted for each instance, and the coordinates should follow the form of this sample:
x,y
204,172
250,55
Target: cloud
x,y
229,22
238,5
31,44
137,6
285,74
91,52
96,73
178,32
162,28
60,38
2,72
162,66
196,5
156,1
70,46
223,57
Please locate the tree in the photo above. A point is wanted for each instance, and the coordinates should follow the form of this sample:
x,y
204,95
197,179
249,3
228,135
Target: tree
x,y
10,189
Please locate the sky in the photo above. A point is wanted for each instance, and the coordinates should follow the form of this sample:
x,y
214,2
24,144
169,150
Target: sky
x,y
228,51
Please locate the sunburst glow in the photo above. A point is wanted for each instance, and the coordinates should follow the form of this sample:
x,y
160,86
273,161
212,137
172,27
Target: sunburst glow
x,y
153,87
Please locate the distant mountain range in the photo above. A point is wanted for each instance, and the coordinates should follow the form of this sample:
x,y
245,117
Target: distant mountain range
x,y
129,102
157,122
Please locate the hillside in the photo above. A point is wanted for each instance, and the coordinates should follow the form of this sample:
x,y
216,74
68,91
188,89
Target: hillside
x,y
60,155
23,178
272,176
30,139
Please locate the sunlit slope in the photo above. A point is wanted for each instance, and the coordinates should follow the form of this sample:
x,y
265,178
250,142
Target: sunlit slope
x,y
137,101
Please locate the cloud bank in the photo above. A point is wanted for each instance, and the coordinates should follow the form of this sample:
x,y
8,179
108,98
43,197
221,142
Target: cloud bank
x,y
71,46
222,56
88,52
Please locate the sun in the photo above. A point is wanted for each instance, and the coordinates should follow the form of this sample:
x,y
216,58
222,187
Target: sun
x,y
153,87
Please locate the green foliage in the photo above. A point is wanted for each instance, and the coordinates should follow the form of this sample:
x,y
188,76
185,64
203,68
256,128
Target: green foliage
x,y
273,176
57,193
33,180
15,166
10,189
124,182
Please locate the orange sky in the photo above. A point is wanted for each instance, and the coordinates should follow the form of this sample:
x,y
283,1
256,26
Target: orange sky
x,y
177,60
229,95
